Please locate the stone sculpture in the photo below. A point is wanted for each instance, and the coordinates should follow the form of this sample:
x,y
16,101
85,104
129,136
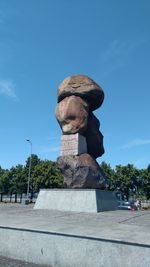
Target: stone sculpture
x,y
82,141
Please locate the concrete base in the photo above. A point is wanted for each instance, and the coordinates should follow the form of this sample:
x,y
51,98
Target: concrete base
x,y
55,250
78,200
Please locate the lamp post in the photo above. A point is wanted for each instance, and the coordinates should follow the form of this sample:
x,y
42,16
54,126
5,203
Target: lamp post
x,y
29,174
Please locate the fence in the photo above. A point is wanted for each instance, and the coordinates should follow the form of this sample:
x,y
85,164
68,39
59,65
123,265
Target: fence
x,y
16,198
145,204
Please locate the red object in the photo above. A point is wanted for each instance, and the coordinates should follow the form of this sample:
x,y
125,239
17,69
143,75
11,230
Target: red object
x,y
132,209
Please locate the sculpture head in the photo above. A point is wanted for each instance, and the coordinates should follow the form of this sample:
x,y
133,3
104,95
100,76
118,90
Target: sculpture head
x,y
84,87
78,96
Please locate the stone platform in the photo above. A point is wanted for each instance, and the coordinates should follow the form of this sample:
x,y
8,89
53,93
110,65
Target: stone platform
x,y
71,239
78,200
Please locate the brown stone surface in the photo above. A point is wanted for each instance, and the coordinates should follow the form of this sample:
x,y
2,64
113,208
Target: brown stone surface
x,y
83,86
78,96
81,172
94,137
72,115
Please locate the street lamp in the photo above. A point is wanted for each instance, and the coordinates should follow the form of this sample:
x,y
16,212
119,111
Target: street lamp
x,y
29,174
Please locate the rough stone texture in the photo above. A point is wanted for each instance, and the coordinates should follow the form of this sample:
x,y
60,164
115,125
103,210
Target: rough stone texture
x,y
83,86
81,172
72,115
78,96
94,137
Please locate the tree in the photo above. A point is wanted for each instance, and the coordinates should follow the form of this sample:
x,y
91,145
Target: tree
x,y
126,179
148,182
18,180
145,181
46,175
35,161
4,181
109,172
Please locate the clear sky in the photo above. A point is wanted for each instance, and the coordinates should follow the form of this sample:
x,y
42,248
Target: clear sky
x,y
44,41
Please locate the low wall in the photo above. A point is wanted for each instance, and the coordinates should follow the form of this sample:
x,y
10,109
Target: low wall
x,y
145,204
56,249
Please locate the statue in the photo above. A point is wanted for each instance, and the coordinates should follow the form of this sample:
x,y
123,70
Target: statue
x,y
82,141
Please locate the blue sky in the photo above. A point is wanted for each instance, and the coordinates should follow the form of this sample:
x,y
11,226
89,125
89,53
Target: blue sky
x,y
42,42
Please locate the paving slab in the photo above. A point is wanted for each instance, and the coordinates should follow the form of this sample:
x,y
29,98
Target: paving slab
x,y
6,262
119,225
70,239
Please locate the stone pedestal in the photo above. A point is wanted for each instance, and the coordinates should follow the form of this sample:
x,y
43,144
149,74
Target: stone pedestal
x,y
76,200
73,144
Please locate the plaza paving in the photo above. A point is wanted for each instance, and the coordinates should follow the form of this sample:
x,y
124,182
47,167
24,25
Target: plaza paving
x,y
118,225
5,262
127,227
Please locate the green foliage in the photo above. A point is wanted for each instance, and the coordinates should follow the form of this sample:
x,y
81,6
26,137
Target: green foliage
x,y
46,175
18,180
128,180
145,181
35,161
4,181
109,172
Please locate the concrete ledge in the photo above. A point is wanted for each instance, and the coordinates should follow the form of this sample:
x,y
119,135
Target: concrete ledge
x,y
54,238
56,249
78,200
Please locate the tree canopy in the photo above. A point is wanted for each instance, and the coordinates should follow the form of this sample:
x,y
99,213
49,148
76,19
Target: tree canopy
x,y
128,179
44,174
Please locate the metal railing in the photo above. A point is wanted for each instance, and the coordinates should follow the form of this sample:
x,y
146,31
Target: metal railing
x,y
145,204
16,198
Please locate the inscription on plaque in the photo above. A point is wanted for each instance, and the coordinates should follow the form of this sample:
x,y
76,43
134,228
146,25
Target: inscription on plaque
x,y
73,144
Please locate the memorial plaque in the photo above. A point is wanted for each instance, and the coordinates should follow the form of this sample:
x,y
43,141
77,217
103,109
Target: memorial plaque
x,y
73,144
